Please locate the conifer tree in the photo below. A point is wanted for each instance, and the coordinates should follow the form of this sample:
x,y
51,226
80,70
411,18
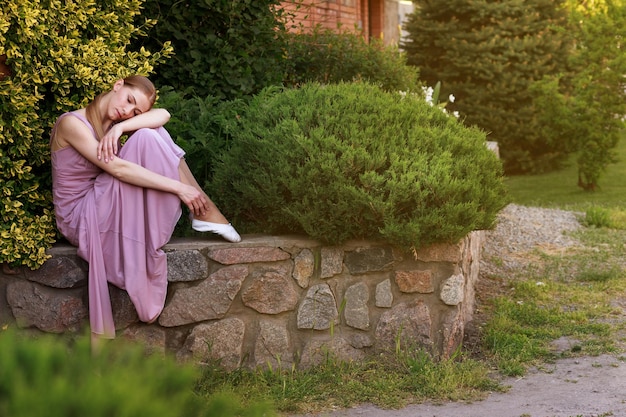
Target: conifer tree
x,y
487,54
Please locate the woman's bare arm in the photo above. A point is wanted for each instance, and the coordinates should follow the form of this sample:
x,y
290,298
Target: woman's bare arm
x,y
73,131
108,145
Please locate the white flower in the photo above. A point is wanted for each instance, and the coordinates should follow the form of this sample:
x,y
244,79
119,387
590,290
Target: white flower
x,y
451,98
428,91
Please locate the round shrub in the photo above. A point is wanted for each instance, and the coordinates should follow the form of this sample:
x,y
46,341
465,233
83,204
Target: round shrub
x,y
345,161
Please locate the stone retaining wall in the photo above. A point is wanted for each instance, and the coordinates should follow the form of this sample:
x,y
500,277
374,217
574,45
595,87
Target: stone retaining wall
x,y
271,300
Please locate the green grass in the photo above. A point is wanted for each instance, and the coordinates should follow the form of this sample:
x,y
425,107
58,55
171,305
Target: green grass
x,y
567,295
390,381
559,189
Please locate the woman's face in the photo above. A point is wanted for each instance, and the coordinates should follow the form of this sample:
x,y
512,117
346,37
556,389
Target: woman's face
x,y
126,102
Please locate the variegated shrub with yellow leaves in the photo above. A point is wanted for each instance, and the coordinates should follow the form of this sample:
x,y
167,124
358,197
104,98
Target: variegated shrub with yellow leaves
x,y
55,55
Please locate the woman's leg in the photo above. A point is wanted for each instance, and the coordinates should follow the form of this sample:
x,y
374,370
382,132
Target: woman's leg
x,y
213,220
213,215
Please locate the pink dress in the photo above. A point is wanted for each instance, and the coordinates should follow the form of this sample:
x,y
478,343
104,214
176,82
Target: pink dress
x,y
119,228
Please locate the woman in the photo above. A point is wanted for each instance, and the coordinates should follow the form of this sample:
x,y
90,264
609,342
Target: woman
x,y
120,209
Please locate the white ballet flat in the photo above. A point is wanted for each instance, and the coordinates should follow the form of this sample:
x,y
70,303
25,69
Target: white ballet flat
x,y
227,231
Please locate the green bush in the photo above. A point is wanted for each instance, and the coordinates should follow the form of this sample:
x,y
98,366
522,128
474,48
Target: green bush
x,y
597,217
46,377
223,48
60,56
327,56
352,161
201,126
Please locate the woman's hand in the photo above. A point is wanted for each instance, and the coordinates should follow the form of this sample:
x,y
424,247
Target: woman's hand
x,y
108,145
194,199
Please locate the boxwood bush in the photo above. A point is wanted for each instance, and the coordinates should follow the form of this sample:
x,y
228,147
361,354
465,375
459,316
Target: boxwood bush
x,y
350,160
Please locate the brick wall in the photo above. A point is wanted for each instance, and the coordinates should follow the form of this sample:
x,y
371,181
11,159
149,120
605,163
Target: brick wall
x,y
331,14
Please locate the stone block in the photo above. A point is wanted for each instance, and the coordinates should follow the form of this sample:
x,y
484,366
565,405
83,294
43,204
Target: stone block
x,y
384,296
303,267
208,300
315,352
453,290
220,341
271,290
231,256
272,346
187,265
453,330
356,311
60,272
366,260
408,322
331,262
48,309
415,281
441,252
124,311
153,338
318,310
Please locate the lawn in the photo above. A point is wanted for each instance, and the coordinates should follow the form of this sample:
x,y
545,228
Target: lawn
x,y
559,189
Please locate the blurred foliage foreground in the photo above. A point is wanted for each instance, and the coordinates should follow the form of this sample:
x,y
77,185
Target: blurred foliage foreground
x,y
47,377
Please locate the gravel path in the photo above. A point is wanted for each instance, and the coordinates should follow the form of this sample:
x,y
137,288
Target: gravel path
x,y
574,387
520,230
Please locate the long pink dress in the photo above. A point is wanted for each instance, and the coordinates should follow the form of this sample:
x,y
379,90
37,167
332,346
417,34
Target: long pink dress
x,y
119,228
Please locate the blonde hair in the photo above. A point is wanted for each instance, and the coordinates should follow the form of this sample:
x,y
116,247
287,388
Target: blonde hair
x,y
139,82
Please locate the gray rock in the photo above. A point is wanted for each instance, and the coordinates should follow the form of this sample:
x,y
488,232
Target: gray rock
x,y
384,296
186,265
48,309
60,272
153,338
453,289
318,310
210,299
365,260
356,311
332,262
124,311
410,323
217,341
316,352
272,347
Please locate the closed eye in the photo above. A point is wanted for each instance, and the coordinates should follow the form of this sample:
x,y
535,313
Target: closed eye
x,y
131,100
